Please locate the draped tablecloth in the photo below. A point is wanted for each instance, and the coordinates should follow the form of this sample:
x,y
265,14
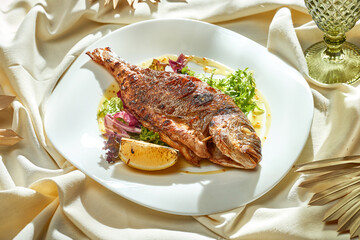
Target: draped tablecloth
x,y
42,196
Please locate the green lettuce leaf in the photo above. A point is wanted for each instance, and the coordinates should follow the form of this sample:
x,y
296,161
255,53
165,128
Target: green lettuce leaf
x,y
110,106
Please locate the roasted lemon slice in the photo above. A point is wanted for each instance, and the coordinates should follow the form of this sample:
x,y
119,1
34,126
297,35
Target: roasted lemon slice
x,y
146,156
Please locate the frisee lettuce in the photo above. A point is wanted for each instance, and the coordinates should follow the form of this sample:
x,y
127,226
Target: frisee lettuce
x,y
187,71
239,85
150,136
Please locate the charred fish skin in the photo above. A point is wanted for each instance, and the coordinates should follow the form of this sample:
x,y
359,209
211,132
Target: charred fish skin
x,y
185,111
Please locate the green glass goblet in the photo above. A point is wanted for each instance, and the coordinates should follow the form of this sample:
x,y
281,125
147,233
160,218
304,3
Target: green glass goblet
x,y
334,60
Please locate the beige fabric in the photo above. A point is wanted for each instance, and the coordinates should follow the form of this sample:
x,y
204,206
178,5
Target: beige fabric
x,y
42,196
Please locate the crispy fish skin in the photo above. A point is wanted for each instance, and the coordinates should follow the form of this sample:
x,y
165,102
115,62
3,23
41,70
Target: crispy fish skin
x,y
185,111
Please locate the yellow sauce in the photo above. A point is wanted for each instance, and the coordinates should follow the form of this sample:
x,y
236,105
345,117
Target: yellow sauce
x,y
261,120
211,66
108,94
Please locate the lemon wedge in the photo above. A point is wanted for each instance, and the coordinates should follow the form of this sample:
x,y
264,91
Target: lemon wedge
x,y
146,156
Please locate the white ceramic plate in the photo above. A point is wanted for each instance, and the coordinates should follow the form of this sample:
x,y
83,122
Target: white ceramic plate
x,y
71,126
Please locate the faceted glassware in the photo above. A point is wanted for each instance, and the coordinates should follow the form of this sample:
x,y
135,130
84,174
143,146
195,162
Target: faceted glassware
x,y
334,60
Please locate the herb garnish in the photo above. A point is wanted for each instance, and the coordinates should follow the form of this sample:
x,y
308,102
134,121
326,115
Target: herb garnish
x,y
150,136
239,85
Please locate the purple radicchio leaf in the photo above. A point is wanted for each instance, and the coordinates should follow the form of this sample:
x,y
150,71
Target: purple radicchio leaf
x,y
179,64
128,118
114,125
119,127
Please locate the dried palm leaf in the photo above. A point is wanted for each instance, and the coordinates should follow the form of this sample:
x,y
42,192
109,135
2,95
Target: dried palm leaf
x,y
329,164
8,137
342,206
346,220
355,228
336,179
131,3
328,178
335,192
5,101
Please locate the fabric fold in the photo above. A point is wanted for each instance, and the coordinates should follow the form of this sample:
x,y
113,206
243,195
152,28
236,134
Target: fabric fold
x,y
37,228
283,42
18,207
43,196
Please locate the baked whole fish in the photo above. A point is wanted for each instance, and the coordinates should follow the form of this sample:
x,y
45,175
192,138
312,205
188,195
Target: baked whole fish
x,y
189,115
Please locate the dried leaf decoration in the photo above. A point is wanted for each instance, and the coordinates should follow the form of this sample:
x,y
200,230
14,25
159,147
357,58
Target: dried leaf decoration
x,y
7,136
5,101
157,65
131,3
336,179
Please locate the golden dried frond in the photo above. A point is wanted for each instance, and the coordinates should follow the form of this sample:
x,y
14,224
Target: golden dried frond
x,y
131,3
336,179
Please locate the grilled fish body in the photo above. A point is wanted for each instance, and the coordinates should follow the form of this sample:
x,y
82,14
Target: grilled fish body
x,y
198,120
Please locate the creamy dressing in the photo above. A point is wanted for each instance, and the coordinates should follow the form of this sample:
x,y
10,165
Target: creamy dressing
x,y
261,120
109,93
211,66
